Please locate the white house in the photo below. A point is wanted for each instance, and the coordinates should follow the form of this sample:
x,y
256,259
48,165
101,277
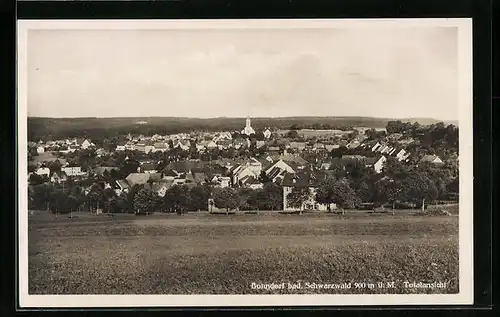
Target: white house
x,y
376,146
149,148
72,170
130,146
86,144
241,172
267,133
387,149
58,177
401,155
224,182
179,181
211,145
183,144
252,168
379,164
160,147
43,171
40,149
123,186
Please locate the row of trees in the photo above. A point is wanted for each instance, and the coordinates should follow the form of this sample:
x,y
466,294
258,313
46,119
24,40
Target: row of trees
x,y
142,199
436,135
398,185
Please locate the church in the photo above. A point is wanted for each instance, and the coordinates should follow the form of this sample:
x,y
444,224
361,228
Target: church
x,y
248,130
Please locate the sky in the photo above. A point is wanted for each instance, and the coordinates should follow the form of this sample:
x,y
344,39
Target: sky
x,y
387,72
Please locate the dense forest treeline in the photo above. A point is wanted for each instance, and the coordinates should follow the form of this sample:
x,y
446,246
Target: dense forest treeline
x,y
97,128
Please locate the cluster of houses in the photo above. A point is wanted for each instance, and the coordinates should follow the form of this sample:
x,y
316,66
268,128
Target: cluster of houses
x,y
282,164
63,146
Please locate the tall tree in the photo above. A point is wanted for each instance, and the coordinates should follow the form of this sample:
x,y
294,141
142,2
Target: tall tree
x,y
274,196
144,201
419,188
199,196
244,195
36,179
298,196
109,199
176,199
331,190
226,198
59,202
42,195
55,166
96,197
387,190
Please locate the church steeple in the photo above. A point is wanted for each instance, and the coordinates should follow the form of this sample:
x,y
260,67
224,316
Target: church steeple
x,y
248,130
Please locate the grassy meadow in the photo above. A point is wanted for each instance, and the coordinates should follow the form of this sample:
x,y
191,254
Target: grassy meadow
x,y
225,254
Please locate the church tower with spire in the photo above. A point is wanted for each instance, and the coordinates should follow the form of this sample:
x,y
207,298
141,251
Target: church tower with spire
x,y
248,130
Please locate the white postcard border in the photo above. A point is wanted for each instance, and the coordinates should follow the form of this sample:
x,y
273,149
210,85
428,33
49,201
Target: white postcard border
x,y
464,297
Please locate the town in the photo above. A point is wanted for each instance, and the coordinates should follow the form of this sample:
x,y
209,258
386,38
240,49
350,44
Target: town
x,y
403,166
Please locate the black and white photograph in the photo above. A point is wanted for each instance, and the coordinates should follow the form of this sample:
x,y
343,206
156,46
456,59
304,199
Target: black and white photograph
x,y
296,162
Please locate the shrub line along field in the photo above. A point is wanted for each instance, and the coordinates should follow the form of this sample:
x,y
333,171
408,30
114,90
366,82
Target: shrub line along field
x,y
200,253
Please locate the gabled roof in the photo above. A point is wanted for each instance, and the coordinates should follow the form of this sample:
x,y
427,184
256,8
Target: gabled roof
x,y
59,174
160,145
148,167
156,187
371,160
225,142
253,181
234,169
295,144
263,162
289,158
294,165
274,172
245,179
185,166
123,183
156,177
137,179
353,157
305,177
429,158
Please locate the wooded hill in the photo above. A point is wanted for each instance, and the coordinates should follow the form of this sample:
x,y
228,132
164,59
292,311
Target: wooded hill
x,y
55,128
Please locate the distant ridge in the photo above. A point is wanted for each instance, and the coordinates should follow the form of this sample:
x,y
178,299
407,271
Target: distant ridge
x,y
95,128
334,118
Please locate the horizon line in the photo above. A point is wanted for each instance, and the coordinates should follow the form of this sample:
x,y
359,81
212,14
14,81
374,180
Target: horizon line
x,y
240,117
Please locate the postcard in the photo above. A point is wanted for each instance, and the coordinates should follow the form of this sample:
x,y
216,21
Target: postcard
x,y
216,163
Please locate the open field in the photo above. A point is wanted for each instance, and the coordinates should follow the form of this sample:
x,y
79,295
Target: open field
x,y
47,157
214,254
